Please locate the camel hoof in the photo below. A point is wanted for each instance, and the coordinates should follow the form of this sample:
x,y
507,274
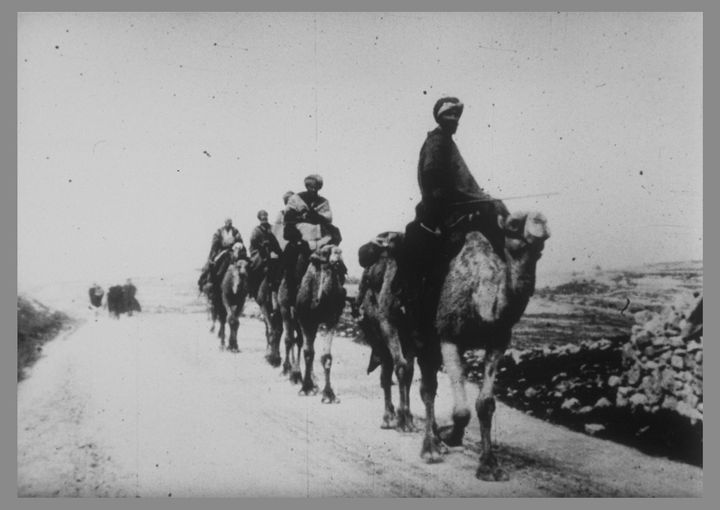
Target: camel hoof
x,y
273,361
491,474
447,435
432,450
308,390
329,398
389,421
406,425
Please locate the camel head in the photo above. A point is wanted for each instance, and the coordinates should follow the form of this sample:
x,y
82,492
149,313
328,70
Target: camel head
x,y
242,266
393,242
525,232
237,248
328,254
238,274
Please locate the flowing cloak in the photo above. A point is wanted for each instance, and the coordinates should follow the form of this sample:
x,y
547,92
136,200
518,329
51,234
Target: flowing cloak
x,y
262,236
446,184
224,238
298,212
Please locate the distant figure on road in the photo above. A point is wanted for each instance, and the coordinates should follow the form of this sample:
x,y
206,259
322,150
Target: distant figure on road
x,y
131,304
96,294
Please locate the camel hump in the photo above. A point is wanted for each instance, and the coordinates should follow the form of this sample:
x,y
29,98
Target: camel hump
x,y
386,242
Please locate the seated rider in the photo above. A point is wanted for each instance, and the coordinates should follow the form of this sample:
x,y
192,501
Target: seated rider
x,y
308,215
264,248
307,222
221,244
450,194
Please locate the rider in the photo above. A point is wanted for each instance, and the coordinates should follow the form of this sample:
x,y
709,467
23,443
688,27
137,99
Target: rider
x,y
309,208
263,245
449,194
222,242
308,225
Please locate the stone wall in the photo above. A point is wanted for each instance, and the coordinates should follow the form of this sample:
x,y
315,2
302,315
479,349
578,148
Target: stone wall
x,y
644,388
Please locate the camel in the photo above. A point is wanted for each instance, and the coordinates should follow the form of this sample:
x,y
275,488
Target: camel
x,y
228,294
384,326
271,317
481,299
320,301
234,292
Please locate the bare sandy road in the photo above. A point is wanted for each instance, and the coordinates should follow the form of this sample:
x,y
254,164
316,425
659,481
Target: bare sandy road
x,y
148,406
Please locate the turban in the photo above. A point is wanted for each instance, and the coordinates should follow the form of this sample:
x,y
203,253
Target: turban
x,y
261,212
316,179
446,104
286,196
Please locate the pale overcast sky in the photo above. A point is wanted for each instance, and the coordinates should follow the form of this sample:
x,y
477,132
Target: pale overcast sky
x,y
139,132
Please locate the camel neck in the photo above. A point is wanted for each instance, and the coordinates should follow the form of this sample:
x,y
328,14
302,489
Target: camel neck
x,y
520,274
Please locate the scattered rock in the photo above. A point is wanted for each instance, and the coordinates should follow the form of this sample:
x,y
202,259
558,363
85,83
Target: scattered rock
x,y
594,428
531,392
638,399
603,403
570,403
614,381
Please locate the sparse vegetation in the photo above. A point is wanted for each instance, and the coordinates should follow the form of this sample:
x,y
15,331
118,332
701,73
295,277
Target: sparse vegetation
x,y
577,287
36,324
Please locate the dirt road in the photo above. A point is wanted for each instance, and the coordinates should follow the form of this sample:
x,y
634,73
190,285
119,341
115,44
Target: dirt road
x,y
148,406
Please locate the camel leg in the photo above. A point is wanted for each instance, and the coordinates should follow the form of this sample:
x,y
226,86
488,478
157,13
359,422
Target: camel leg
x,y
328,395
432,448
272,351
485,406
221,334
234,324
402,370
291,364
268,337
389,418
275,323
453,434
297,351
272,356
288,332
277,336
308,386
405,377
